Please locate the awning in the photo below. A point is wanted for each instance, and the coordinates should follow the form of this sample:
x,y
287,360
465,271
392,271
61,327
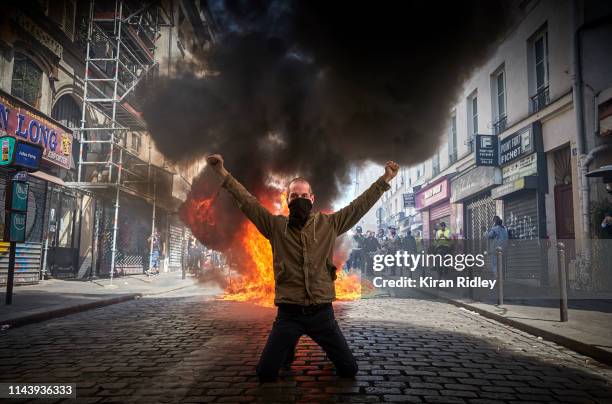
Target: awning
x,y
48,177
530,182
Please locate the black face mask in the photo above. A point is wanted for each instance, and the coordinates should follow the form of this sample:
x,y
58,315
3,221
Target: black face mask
x,y
299,210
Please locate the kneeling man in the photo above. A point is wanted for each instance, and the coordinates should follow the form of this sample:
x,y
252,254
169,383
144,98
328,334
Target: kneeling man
x,y
302,248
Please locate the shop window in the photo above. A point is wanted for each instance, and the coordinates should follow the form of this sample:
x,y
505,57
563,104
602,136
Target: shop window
x,y
27,80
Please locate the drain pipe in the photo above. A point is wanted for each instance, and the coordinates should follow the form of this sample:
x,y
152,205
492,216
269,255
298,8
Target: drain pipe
x,y
581,144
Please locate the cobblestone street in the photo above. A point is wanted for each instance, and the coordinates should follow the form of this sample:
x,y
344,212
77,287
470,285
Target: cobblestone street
x,y
185,347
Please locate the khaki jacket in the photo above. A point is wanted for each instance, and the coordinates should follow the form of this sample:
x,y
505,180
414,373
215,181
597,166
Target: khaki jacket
x,y
304,272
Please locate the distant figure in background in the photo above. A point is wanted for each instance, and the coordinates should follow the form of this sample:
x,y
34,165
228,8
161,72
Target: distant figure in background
x,y
392,244
499,238
606,226
155,242
443,238
356,259
435,231
409,243
194,253
381,236
443,245
371,246
393,241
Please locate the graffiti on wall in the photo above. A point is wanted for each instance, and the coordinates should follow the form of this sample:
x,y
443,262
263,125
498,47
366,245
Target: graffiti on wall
x,y
522,227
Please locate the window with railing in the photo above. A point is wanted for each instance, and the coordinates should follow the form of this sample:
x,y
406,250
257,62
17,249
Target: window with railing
x,y
500,125
540,99
472,121
498,81
435,164
452,140
538,70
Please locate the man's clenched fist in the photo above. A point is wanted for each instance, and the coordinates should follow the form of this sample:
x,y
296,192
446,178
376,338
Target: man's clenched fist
x,y
391,169
216,163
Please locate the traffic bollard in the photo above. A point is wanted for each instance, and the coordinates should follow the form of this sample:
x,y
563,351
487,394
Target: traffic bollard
x,y
500,275
562,264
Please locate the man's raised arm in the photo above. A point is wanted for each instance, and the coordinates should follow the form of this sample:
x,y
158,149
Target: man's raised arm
x,y
248,204
348,216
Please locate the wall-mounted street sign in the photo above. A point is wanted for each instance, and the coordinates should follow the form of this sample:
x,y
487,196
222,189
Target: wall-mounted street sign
x,y
7,147
486,150
18,192
15,231
515,146
524,167
27,156
16,207
19,154
409,200
26,124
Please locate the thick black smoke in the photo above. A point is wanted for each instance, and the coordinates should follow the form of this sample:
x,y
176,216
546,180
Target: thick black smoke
x,y
310,87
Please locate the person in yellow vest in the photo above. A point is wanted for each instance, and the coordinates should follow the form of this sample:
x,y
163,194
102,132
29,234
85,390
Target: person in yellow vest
x,y
443,239
443,246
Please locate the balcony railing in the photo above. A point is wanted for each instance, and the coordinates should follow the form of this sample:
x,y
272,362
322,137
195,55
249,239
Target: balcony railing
x,y
500,125
470,141
540,99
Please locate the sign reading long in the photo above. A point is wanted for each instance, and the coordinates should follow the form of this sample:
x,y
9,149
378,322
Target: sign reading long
x,y
23,122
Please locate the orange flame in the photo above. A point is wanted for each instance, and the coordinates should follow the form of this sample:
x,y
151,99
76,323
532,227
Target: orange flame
x,y
251,256
256,284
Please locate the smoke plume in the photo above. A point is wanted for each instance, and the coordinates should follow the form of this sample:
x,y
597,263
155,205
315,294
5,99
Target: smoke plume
x,y
311,87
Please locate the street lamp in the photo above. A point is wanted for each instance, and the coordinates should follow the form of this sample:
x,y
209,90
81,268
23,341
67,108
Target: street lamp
x,y
605,173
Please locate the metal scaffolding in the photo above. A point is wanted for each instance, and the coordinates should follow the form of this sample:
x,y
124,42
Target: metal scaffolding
x,y
120,54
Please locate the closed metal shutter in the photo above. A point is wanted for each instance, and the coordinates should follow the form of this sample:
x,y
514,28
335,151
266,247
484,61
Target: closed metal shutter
x,y
439,211
479,217
479,214
524,259
27,262
175,247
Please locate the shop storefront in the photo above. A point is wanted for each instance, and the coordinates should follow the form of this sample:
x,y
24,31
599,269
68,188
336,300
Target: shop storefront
x,y
133,231
472,191
433,201
45,223
524,180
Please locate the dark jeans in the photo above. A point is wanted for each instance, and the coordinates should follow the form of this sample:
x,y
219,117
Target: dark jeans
x,y
291,323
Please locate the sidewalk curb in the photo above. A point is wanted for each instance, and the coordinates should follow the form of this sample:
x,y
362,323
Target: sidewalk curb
x,y
64,311
592,351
